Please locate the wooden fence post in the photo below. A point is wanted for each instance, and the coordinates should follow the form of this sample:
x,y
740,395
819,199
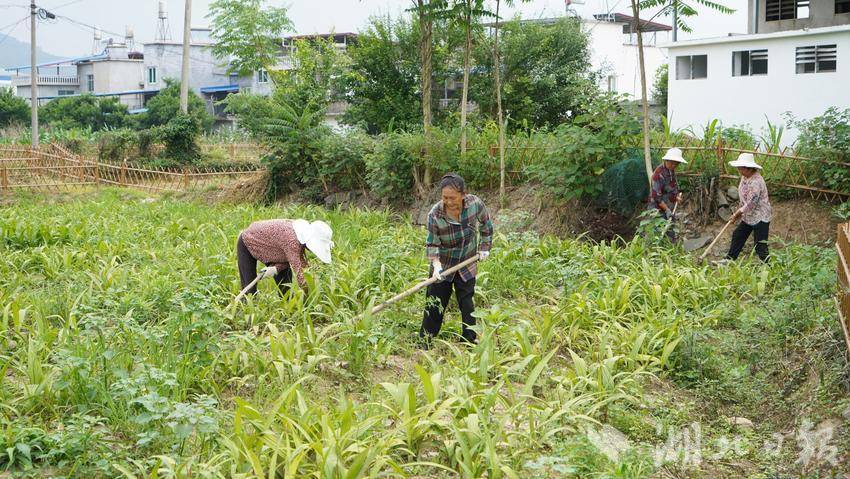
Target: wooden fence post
x,y
185,179
720,155
4,179
96,172
123,179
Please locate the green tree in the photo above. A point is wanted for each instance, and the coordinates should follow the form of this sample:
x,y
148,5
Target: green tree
x,y
680,9
166,105
659,88
383,83
85,111
545,72
316,78
13,109
497,87
466,13
248,33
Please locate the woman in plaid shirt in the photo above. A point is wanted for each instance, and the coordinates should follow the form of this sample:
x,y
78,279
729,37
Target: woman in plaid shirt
x,y
459,226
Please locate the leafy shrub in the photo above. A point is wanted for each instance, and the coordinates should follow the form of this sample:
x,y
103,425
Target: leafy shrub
x,y
389,167
293,138
180,136
586,148
342,163
826,137
166,105
117,145
13,109
85,111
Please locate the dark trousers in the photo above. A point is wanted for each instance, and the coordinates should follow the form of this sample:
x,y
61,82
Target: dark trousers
x,y
248,270
760,232
437,299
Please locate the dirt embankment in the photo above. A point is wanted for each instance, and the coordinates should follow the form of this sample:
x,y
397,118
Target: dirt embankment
x,y
529,207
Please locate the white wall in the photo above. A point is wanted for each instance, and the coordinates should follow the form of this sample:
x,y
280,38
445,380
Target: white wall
x,y
749,100
611,55
205,69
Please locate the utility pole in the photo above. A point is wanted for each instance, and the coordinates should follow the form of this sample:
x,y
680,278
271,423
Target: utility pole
x,y
33,78
187,38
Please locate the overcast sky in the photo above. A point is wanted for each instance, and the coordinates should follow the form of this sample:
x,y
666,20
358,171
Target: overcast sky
x,y
64,38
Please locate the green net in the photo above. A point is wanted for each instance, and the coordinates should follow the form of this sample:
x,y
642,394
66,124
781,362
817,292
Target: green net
x,y
624,185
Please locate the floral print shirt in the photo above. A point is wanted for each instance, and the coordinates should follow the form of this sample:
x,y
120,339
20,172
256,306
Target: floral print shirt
x,y
755,202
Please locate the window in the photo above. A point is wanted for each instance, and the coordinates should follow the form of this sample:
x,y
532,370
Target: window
x,y
816,59
691,67
151,75
612,83
786,9
66,92
262,76
842,6
746,63
90,82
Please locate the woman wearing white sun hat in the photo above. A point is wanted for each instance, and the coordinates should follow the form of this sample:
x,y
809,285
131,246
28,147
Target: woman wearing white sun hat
x,y
281,245
665,190
755,211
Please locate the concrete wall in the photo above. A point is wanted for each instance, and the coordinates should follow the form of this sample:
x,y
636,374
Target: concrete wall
x,y
821,14
45,90
167,57
751,100
611,54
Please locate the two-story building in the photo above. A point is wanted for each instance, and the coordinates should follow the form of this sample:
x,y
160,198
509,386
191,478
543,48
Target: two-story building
x,y
116,72
794,59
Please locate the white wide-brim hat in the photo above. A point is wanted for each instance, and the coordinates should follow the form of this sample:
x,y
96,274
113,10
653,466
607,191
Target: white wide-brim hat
x,y
745,160
674,154
316,236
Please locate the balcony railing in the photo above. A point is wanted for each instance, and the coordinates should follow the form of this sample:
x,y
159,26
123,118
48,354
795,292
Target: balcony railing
x,y
47,80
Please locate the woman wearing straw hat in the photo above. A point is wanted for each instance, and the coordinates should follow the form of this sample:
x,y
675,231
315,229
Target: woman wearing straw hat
x,y
755,212
281,245
665,190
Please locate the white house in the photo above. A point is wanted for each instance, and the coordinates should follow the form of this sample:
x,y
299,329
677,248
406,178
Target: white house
x,y
614,51
746,80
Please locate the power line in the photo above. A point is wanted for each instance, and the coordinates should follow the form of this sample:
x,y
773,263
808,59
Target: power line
x,y
14,27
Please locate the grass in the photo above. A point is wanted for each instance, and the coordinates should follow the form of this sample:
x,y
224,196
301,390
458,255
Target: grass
x,y
120,355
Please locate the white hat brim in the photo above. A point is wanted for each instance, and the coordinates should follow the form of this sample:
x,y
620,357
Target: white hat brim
x,y
745,164
321,249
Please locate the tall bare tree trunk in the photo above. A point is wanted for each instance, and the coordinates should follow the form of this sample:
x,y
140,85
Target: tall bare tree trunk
x,y
466,53
426,26
647,155
497,71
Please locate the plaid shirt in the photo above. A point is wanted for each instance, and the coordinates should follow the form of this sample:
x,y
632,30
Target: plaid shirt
x,y
453,241
664,188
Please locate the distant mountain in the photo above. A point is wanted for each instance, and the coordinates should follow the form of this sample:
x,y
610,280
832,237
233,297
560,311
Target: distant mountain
x,y
15,53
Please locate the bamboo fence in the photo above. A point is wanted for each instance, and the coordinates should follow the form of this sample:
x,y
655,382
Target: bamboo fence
x,y
54,168
843,297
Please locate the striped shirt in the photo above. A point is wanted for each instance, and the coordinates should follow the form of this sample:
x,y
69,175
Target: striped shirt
x,y
454,241
274,243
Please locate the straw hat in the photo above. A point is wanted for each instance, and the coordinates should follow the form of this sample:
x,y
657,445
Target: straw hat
x,y
316,236
674,154
745,160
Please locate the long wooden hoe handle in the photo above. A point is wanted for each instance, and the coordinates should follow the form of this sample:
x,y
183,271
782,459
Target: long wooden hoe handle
x,y
377,309
705,253
247,288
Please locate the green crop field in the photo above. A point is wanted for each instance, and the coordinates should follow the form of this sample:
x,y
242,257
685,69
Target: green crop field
x,y
121,356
